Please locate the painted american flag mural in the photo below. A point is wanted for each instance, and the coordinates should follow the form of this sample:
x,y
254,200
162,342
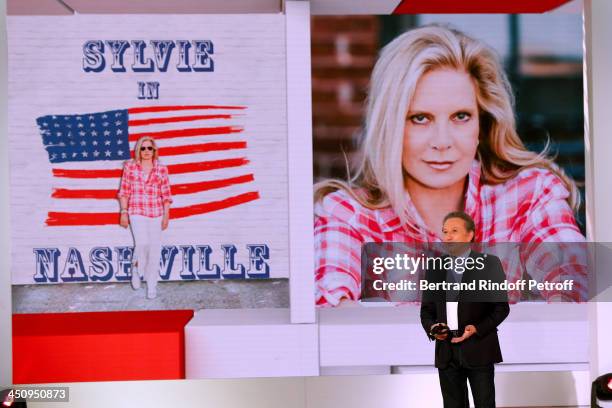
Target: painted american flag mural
x,y
87,152
222,134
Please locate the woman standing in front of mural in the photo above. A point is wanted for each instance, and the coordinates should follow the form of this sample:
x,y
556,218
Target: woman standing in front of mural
x,y
440,136
145,200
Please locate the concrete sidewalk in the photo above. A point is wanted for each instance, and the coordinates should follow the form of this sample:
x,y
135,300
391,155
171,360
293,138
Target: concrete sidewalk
x,y
209,294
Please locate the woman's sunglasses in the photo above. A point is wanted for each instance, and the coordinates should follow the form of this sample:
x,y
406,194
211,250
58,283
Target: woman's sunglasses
x,y
143,148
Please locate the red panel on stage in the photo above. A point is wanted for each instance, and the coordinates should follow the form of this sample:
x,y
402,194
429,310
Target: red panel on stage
x,y
99,346
477,6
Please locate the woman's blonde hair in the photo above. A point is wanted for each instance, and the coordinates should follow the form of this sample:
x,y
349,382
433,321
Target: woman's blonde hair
x,y
379,178
139,145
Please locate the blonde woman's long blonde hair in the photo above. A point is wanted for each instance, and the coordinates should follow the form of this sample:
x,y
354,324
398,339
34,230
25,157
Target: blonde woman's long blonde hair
x,y
379,178
139,145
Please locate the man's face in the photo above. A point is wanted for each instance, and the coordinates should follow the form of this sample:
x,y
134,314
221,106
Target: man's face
x,y
456,235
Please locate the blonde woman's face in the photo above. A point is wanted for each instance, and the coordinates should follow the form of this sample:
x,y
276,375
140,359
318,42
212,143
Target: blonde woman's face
x,y
441,131
146,150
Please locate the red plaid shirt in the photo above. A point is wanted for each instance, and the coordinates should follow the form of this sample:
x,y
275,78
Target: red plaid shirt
x,y
145,197
531,208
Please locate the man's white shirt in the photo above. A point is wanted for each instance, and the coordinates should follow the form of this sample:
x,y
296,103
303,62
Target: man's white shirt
x,y
452,319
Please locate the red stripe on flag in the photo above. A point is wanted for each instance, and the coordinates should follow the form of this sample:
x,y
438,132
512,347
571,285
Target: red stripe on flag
x,y
59,219
56,219
147,109
177,189
214,205
94,194
189,188
207,165
172,169
68,173
170,134
201,148
153,121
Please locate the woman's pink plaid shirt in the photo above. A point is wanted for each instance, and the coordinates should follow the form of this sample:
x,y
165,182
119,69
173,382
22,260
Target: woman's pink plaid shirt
x,y
531,208
145,197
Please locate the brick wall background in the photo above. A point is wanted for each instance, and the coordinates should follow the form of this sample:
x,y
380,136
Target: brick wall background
x,y
344,51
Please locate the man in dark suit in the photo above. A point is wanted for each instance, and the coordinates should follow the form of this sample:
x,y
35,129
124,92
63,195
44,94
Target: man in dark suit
x,y
464,322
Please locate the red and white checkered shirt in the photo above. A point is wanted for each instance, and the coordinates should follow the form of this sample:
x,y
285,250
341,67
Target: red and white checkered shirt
x,y
145,197
531,208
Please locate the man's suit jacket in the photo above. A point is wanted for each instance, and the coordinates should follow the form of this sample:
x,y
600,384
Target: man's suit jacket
x,y
484,310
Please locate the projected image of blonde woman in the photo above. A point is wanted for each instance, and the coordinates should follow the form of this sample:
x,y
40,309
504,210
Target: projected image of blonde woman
x,y
440,136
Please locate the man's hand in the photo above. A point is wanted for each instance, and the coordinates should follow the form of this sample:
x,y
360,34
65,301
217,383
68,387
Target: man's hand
x,y
469,331
440,336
